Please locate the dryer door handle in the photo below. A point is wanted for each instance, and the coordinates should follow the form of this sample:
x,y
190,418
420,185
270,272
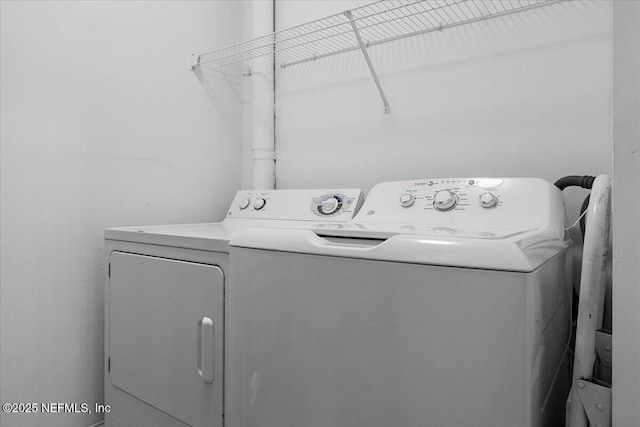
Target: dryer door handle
x,y
205,349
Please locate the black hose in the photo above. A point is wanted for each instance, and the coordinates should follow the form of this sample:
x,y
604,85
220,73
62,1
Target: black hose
x,y
584,181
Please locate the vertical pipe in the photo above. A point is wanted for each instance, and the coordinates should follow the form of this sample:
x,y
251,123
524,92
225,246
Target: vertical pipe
x,y
262,126
593,283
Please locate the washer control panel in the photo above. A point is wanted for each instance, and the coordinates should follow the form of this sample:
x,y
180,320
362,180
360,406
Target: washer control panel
x,y
444,195
297,205
463,202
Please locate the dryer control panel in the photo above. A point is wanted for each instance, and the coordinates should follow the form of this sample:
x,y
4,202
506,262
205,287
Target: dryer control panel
x,y
458,203
339,205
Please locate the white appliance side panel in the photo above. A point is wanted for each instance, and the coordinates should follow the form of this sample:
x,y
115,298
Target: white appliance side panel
x,y
155,305
323,341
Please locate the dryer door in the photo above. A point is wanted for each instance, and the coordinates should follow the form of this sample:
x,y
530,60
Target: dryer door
x,y
166,335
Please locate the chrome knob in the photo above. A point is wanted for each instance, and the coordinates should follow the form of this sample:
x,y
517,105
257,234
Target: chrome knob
x,y
330,205
407,200
488,200
445,200
259,203
244,203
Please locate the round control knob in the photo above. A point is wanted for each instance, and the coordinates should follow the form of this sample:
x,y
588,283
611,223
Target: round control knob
x,y
407,200
445,200
259,204
488,200
243,204
330,205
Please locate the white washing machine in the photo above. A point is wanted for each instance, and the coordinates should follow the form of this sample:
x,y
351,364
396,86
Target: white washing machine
x,y
444,303
165,306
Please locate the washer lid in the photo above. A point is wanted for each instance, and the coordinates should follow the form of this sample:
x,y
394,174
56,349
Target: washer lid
x,y
523,252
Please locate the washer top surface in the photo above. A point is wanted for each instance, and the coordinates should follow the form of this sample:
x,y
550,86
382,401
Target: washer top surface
x,y
250,209
513,224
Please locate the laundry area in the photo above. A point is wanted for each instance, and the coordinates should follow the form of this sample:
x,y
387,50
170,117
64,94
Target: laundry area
x,y
305,213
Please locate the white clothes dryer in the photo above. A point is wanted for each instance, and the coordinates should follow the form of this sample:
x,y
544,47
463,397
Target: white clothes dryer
x,y
444,303
165,306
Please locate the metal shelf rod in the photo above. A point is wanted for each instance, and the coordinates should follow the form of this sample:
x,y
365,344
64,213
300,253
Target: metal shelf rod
x,y
387,109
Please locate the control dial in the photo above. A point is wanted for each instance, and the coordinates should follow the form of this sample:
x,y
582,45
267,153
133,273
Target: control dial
x,y
259,203
244,203
488,200
445,200
407,200
330,204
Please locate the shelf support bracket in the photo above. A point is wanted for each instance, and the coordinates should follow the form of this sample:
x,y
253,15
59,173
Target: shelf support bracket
x,y
363,48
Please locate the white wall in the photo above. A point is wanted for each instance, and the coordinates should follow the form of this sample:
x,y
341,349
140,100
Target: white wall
x,y
626,205
521,95
102,125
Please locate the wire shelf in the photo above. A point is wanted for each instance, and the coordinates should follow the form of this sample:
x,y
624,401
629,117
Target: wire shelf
x,y
377,23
